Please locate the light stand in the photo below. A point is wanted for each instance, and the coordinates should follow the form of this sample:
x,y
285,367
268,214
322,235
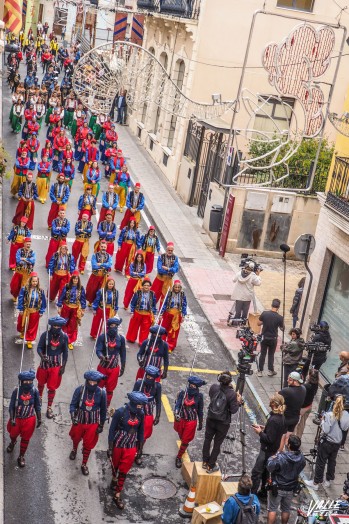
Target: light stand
x,y
285,249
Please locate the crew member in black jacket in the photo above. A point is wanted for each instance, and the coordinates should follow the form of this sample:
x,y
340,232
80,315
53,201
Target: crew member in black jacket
x,y
270,437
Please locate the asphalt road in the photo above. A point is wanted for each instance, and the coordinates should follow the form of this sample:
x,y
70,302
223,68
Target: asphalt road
x,y
51,488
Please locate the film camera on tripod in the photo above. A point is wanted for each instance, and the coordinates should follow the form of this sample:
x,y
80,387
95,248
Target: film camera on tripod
x,y
247,354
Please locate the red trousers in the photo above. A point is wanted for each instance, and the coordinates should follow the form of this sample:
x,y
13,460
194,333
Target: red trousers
x,y
24,428
123,459
172,335
97,318
141,323
16,284
121,258
140,374
76,252
32,327
130,290
24,209
93,285
103,213
52,249
148,426
53,213
71,327
149,261
57,284
157,288
13,250
185,429
110,247
86,433
50,377
110,382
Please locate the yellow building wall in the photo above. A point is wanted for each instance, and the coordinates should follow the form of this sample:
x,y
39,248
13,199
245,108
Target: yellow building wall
x,y
341,143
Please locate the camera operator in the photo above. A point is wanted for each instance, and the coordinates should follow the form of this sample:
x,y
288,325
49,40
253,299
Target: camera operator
x,y
294,395
270,437
321,336
243,292
292,353
224,402
271,322
333,424
285,468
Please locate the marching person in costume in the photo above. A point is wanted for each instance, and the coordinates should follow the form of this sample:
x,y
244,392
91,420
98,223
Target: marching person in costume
x,y
126,433
174,310
68,169
111,156
59,231
24,405
17,116
53,353
134,204
110,136
16,237
111,298
189,409
109,352
33,148
110,202
91,155
70,106
167,267
123,181
27,193
21,168
87,203
71,305
101,265
31,306
93,177
143,309
128,242
59,145
88,410
152,390
47,151
150,244
60,267
43,178
25,261
107,231
59,195
153,352
81,245
86,143
138,271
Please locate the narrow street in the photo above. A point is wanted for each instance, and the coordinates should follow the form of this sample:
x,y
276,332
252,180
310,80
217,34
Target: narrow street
x,y
51,488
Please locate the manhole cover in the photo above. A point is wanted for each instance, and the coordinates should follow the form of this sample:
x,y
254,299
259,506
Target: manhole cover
x,y
159,488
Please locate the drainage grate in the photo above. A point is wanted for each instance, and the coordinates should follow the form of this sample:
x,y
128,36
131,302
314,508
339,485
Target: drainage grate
x,y
159,488
222,297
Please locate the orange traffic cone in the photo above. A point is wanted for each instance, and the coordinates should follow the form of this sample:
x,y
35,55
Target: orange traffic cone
x,y
186,510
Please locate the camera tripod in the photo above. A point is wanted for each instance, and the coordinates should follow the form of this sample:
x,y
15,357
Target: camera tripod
x,y
311,456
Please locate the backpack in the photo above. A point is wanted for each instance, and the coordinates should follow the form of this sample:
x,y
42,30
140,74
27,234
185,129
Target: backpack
x,y
247,513
217,409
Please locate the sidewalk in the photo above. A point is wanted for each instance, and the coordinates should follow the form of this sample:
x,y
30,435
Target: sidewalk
x,y
210,276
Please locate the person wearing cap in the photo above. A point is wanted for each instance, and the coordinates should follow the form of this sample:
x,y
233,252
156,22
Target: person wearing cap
x,y
59,195
128,242
59,231
143,309
112,163
71,305
101,265
60,143
152,390
110,137
111,299
17,116
87,202
173,311
25,261
167,267
33,145
292,353
88,411
24,405
126,434
150,244
60,267
110,202
97,128
138,271
27,193
31,306
134,204
107,231
81,245
16,237
189,409
47,151
294,395
91,155
122,180
20,169
153,352
243,291
43,178
80,136
68,169
111,351
93,177
53,353
86,143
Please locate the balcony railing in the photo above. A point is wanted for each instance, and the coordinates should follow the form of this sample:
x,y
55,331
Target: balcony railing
x,y
181,8
337,197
